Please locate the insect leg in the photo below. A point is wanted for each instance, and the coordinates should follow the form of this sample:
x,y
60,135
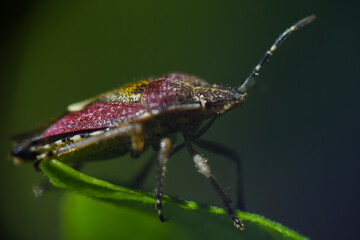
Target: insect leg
x,y
138,180
137,140
204,169
204,128
42,188
165,147
195,136
45,186
41,158
232,155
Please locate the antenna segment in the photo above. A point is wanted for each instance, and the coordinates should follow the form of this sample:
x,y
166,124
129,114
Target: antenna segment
x,y
276,44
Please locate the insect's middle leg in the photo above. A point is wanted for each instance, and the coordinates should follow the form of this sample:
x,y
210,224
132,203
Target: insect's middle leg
x,y
204,169
165,147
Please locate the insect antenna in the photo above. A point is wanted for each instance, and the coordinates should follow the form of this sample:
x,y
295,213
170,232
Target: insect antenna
x,y
276,44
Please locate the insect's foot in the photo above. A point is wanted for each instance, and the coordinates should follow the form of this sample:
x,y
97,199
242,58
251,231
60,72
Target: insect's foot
x,y
37,165
238,224
163,219
38,191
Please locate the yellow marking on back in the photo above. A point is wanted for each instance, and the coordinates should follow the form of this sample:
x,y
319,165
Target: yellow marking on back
x,y
129,93
132,91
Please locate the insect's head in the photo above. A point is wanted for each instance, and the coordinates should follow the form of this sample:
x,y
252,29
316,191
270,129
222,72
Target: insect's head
x,y
217,99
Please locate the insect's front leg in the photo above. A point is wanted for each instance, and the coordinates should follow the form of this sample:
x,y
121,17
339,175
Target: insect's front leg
x,y
165,147
197,135
204,169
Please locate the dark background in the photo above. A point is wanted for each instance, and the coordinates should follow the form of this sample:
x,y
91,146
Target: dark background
x,y
298,133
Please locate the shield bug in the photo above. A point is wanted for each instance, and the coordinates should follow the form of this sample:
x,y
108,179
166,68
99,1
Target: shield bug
x,y
138,115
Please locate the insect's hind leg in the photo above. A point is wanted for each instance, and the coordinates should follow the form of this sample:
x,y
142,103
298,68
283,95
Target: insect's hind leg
x,y
41,158
139,179
165,147
204,169
232,155
45,186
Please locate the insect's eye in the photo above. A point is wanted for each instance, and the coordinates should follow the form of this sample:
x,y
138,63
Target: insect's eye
x,y
208,104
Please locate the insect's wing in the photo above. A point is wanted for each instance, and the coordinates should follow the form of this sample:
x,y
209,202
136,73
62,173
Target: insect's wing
x,y
99,115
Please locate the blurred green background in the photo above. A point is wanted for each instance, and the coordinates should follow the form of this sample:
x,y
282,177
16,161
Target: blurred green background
x,y
298,133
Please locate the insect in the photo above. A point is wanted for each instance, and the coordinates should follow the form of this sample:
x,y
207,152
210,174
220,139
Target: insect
x,y
142,114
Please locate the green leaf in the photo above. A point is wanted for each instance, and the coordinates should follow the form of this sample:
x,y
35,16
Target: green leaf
x,y
125,213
